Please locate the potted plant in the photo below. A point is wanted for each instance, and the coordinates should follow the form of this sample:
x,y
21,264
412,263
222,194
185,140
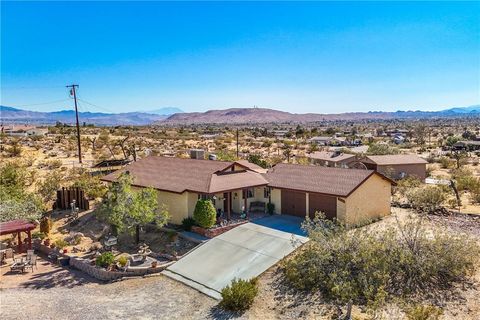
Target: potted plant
x,y
122,262
154,264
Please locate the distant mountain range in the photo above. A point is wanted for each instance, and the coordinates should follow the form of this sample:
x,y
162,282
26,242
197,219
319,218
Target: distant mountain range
x,y
14,115
262,115
164,116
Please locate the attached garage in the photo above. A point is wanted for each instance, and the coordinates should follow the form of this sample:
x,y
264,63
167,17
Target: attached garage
x,y
352,196
320,202
294,203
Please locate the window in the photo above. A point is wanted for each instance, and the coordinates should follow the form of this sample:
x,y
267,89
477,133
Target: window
x,y
249,191
266,192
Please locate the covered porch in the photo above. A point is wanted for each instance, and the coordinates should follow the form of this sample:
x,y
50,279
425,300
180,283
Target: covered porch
x,y
239,194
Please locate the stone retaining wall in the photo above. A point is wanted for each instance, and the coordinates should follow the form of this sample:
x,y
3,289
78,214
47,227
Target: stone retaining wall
x,y
211,233
101,273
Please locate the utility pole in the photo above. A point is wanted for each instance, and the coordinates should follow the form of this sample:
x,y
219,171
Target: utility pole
x,y
74,93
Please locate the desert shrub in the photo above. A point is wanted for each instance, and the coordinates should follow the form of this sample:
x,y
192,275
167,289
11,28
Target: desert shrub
x,y
92,186
445,162
426,199
122,261
465,179
381,149
39,235
423,312
105,259
188,223
205,214
45,225
270,208
368,268
60,243
475,195
406,184
239,295
49,186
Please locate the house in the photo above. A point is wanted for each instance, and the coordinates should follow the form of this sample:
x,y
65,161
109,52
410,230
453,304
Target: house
x,y
469,145
336,159
398,166
23,131
233,186
321,141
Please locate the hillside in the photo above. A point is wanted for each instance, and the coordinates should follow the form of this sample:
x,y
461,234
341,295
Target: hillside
x,y
262,115
13,115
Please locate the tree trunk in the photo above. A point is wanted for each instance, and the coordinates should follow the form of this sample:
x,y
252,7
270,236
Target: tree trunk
x,y
137,234
349,311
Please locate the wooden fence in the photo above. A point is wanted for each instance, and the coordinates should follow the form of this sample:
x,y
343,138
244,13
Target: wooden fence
x,y
65,196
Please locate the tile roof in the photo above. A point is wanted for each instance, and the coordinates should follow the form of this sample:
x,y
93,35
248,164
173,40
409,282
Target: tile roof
x,y
234,180
332,181
251,166
172,174
393,159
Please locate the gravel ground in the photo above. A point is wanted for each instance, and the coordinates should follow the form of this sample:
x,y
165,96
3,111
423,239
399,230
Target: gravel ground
x,y
145,298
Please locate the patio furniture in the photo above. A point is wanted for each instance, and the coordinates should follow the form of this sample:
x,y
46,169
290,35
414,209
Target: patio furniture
x,y
110,242
19,265
31,262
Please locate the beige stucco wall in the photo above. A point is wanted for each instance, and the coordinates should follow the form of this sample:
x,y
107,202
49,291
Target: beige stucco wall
x,y
177,205
341,209
276,197
369,201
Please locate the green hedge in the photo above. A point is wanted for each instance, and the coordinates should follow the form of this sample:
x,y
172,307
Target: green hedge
x,y
205,214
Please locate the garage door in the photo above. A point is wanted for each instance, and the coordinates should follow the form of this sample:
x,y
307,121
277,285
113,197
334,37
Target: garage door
x,y
323,203
294,203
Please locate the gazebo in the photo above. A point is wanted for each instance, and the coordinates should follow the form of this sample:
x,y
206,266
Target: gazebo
x,y
18,226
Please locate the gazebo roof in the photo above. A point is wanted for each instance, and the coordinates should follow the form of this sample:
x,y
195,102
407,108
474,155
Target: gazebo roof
x,y
15,226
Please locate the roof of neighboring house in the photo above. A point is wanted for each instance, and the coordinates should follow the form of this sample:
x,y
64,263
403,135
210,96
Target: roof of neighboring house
x,y
331,181
251,166
319,138
179,175
330,156
396,159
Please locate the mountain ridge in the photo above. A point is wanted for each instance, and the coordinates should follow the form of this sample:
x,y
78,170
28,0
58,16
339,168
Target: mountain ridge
x,y
227,116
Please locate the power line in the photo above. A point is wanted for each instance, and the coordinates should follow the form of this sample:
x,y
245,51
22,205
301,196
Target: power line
x,y
42,103
96,106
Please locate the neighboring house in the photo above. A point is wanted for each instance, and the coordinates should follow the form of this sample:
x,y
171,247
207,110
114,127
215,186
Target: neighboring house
x,y
469,145
233,186
23,131
398,166
321,141
335,159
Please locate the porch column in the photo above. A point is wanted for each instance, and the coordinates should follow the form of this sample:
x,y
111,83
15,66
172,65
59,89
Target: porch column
x,y
229,196
29,233
19,242
245,202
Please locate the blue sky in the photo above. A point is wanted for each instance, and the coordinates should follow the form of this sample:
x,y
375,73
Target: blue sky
x,y
323,57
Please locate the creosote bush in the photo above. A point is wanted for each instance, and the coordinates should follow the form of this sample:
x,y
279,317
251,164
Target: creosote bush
x,y
239,295
367,268
427,198
205,215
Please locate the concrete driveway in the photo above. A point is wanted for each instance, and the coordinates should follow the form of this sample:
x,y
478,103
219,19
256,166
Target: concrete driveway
x,y
243,252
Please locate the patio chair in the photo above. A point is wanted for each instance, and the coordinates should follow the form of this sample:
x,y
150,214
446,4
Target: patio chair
x,y
18,265
32,262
